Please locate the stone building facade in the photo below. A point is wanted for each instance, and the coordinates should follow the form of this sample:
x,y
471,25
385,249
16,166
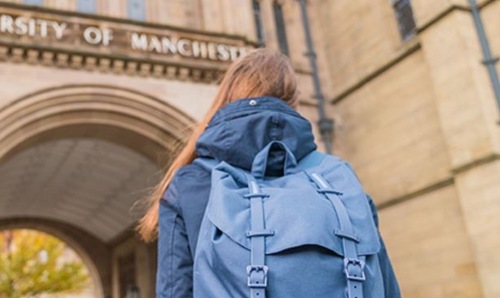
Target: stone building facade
x,y
97,95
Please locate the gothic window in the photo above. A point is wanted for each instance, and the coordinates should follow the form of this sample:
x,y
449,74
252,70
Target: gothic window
x,y
257,15
279,20
136,9
87,6
405,18
34,2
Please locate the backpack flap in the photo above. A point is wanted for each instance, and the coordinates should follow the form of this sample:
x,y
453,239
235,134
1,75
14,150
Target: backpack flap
x,y
294,210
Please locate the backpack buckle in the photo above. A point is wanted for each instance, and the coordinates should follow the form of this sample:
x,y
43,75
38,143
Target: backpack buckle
x,y
257,276
354,269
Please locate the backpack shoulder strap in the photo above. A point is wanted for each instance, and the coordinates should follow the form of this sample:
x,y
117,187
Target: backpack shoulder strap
x,y
354,264
315,158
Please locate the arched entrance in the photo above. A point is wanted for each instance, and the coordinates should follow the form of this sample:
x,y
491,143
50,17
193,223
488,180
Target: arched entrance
x,y
93,252
78,157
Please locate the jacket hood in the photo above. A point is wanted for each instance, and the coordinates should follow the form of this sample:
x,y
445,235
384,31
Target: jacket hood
x,y
241,129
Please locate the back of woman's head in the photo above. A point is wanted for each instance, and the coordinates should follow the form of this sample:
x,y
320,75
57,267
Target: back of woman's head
x,y
261,72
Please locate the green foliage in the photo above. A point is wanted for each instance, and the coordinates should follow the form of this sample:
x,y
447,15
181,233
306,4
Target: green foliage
x,y
34,263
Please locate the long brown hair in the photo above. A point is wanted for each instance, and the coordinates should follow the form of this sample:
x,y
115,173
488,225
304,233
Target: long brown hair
x,y
261,72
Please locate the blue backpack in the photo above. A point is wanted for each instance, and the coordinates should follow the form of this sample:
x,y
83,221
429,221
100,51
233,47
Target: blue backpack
x,y
307,233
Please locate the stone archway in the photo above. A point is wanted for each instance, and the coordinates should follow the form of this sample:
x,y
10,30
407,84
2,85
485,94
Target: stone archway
x,y
77,105
80,156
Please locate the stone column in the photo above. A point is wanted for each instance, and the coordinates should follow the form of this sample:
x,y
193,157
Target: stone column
x,y
468,115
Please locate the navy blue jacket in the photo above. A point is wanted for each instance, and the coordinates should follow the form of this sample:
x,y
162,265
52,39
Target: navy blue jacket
x,y
235,134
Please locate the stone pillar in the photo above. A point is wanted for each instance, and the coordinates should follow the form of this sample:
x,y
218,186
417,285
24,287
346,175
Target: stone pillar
x,y
113,8
211,11
146,268
468,115
238,17
134,263
429,247
181,13
63,5
271,39
124,267
463,95
479,190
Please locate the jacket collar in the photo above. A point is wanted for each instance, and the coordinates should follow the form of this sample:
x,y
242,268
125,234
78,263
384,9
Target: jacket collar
x,y
239,130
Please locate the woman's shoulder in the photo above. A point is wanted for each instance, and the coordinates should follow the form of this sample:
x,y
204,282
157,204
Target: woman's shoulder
x,y
190,171
188,180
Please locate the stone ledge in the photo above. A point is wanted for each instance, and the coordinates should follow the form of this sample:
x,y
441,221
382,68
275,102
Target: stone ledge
x,y
108,64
